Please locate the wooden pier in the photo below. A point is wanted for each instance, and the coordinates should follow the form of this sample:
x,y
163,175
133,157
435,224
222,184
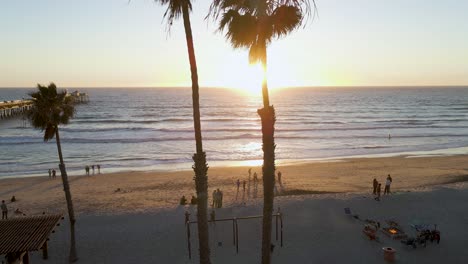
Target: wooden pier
x,y
14,108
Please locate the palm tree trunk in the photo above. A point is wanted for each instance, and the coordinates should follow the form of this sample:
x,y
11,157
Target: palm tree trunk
x,y
268,118
66,188
200,167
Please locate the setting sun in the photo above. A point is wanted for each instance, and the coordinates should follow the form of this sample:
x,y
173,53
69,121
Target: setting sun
x,y
247,78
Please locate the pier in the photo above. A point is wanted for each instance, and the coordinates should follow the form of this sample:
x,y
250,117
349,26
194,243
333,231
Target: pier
x,y
14,108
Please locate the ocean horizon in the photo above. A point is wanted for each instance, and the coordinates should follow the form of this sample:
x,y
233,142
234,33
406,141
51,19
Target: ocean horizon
x,y
152,129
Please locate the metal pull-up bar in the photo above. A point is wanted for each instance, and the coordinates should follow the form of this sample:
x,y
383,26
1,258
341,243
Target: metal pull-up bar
x,y
235,228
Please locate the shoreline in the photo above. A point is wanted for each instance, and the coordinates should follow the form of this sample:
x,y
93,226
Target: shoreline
x,y
180,167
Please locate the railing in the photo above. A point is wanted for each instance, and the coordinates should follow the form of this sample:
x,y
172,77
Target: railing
x,y
19,107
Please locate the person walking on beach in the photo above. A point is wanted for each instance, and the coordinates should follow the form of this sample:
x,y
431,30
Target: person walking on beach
x,y
53,173
379,189
243,185
92,167
99,169
220,198
4,210
255,179
238,185
375,183
279,178
215,196
50,173
87,170
388,182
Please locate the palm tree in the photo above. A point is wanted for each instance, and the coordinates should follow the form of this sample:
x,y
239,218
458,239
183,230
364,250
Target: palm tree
x,y
49,110
253,24
175,9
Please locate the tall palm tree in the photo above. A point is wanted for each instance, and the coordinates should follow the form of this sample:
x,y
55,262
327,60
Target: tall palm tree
x,y
49,110
253,24
175,9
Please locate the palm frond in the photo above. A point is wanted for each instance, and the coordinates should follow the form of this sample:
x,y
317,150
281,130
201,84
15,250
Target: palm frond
x,y
49,132
50,109
284,20
241,29
174,10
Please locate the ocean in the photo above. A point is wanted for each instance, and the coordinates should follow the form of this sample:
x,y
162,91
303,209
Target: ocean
x,y
152,129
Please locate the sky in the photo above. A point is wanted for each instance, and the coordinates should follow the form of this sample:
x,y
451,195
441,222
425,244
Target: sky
x,y
121,43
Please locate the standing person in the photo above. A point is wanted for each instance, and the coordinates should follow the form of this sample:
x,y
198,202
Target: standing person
x,y
238,185
250,172
99,168
4,210
388,182
92,167
53,173
279,178
87,170
255,179
243,185
379,189
50,173
375,183
220,197
215,194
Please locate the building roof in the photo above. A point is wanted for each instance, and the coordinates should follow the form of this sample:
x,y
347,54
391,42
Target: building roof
x,y
26,233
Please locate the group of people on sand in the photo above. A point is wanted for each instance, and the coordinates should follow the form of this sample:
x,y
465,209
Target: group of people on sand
x,y
183,200
98,166
378,187
52,173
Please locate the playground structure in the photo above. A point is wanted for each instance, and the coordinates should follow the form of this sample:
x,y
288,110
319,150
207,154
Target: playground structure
x,y
235,228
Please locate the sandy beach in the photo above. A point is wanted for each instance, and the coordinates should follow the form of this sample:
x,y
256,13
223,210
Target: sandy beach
x,y
150,191
144,223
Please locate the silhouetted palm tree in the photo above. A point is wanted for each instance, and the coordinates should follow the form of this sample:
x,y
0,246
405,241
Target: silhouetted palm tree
x,y
175,9
253,24
49,110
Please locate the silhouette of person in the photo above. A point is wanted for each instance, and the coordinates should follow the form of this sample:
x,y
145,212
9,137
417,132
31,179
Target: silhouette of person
x,y
187,217
4,210
220,197
194,200
388,182
375,183
183,200
379,189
